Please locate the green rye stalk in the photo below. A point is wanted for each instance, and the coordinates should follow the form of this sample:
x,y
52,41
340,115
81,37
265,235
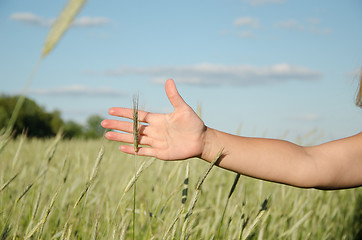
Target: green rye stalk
x,y
135,124
93,176
35,210
196,194
130,184
9,181
135,145
16,157
237,177
95,230
183,201
297,224
40,224
262,211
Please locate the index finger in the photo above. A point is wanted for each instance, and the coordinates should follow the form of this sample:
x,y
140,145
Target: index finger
x,y
143,116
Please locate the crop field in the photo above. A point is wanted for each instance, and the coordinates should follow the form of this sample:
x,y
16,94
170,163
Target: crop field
x,y
60,188
83,189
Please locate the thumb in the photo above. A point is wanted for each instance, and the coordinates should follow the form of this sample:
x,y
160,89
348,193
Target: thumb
x,y
173,95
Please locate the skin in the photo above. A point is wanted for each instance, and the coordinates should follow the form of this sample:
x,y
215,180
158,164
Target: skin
x,y
182,134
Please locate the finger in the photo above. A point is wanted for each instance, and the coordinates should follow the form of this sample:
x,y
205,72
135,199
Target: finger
x,y
128,113
127,138
143,151
117,125
173,95
122,126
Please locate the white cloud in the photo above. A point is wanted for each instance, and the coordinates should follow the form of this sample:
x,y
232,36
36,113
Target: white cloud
x,y
217,74
246,21
246,34
316,29
90,22
290,24
314,20
98,35
321,31
312,26
30,18
262,2
78,91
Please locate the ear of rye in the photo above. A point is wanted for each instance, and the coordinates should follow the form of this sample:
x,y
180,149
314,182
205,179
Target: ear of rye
x,y
135,123
135,145
62,24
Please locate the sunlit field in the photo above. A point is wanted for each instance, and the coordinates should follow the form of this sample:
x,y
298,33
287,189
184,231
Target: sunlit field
x,y
71,189
58,188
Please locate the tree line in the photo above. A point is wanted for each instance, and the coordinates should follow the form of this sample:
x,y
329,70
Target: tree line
x,y
35,121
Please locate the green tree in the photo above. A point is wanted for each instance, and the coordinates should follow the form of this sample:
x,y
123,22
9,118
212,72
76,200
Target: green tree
x,y
93,128
38,123
4,116
32,118
73,129
56,121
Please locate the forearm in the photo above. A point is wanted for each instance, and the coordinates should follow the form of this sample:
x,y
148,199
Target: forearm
x,y
267,159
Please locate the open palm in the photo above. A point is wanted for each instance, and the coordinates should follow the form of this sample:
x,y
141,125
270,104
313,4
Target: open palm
x,y
173,136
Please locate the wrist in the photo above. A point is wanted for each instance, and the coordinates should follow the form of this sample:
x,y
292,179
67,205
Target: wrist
x,y
209,145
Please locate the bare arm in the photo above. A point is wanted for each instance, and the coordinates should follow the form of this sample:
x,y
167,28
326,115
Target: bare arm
x,y
339,162
182,134
332,165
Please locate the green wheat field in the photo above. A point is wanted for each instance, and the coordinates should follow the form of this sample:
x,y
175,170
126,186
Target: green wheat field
x,y
82,189
87,189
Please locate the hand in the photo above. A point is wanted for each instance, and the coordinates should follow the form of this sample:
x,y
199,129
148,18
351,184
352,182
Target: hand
x,y
175,136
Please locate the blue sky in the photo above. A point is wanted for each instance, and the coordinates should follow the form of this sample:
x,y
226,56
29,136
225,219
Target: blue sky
x,y
270,66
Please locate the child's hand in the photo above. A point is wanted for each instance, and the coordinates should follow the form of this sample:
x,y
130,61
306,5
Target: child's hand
x,y
174,136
